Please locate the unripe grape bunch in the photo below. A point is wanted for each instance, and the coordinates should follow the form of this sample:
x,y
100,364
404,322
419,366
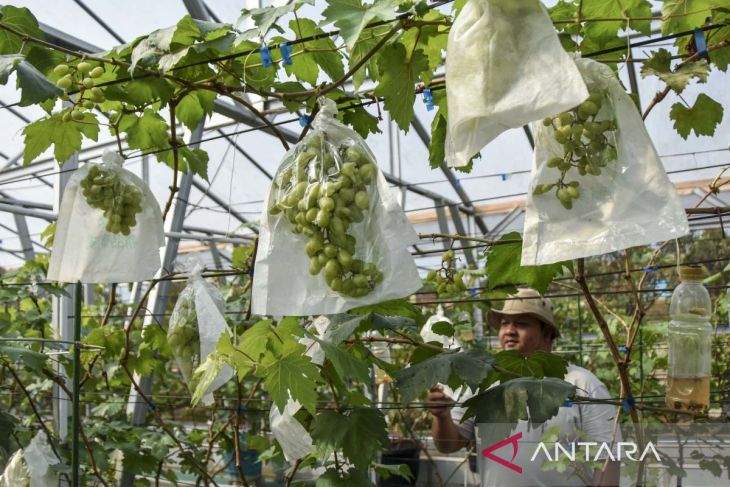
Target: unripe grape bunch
x,y
323,191
588,146
447,280
79,77
184,338
104,189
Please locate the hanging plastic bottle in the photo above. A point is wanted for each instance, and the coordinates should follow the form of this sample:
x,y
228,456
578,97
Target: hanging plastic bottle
x,y
690,343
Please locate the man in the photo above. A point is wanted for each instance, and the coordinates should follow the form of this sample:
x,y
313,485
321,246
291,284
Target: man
x,y
526,323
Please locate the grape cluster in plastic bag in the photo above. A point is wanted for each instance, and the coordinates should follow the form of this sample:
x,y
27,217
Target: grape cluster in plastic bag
x,y
588,145
104,189
321,192
184,337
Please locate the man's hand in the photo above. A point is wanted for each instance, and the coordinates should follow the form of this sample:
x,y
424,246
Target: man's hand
x,y
439,404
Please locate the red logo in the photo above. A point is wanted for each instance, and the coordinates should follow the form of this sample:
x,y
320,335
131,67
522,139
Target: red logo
x,y
487,452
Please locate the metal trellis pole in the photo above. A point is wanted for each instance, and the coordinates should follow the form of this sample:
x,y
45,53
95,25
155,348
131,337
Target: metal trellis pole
x,y
76,403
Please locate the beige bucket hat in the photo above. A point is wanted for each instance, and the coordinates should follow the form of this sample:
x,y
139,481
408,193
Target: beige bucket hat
x,y
528,302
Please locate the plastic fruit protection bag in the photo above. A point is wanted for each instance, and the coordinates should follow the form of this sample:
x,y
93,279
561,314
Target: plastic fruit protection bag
x,y
29,467
597,182
333,236
505,68
196,325
16,472
109,228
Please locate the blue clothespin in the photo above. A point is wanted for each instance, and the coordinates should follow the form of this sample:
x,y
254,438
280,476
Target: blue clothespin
x,y
285,49
628,404
568,403
504,177
153,405
428,99
303,120
700,43
241,409
622,349
458,183
650,268
250,273
265,55
473,291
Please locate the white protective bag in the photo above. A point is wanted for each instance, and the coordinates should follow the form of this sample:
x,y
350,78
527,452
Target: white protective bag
x,y
39,457
92,248
196,325
505,68
625,198
333,236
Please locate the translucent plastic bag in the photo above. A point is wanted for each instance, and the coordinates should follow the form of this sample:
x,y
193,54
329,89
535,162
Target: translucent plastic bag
x,y
196,325
109,228
39,457
16,472
294,439
505,68
333,236
598,185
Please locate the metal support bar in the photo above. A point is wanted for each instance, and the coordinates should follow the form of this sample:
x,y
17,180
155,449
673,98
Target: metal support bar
x,y
215,254
25,241
442,221
461,230
530,138
426,139
76,404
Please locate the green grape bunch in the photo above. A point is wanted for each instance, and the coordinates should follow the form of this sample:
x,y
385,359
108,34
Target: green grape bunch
x,y
324,190
79,77
184,337
447,280
104,189
588,145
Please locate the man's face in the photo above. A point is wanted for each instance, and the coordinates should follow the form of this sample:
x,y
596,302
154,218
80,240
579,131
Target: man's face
x,y
523,333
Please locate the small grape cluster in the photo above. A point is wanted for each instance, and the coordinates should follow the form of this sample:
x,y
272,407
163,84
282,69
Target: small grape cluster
x,y
447,280
586,144
82,76
321,193
184,338
104,189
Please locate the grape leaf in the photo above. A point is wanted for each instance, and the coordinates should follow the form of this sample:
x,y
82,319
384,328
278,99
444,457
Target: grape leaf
x,y
34,86
351,16
538,364
720,57
146,132
431,39
265,17
291,373
395,307
398,76
599,35
363,46
195,160
64,136
660,65
703,117
509,402
346,364
682,15
342,326
140,92
253,341
360,120
194,106
20,19
240,257
503,267
30,358
360,433
471,366
204,376
436,149
329,62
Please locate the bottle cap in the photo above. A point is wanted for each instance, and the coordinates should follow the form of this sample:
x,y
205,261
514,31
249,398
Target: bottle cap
x,y
692,272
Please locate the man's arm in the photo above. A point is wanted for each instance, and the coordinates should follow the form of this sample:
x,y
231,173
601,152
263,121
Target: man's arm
x,y
446,435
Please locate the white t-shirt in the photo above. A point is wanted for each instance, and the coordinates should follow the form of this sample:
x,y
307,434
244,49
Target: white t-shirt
x,y
595,421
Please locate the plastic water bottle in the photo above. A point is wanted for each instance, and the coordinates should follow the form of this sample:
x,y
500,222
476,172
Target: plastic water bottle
x,y
690,343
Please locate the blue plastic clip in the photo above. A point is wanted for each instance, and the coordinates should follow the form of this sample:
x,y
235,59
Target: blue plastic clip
x,y
628,404
265,55
458,183
568,403
622,349
650,268
473,291
303,120
241,409
700,43
153,405
250,273
428,99
285,49
504,177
